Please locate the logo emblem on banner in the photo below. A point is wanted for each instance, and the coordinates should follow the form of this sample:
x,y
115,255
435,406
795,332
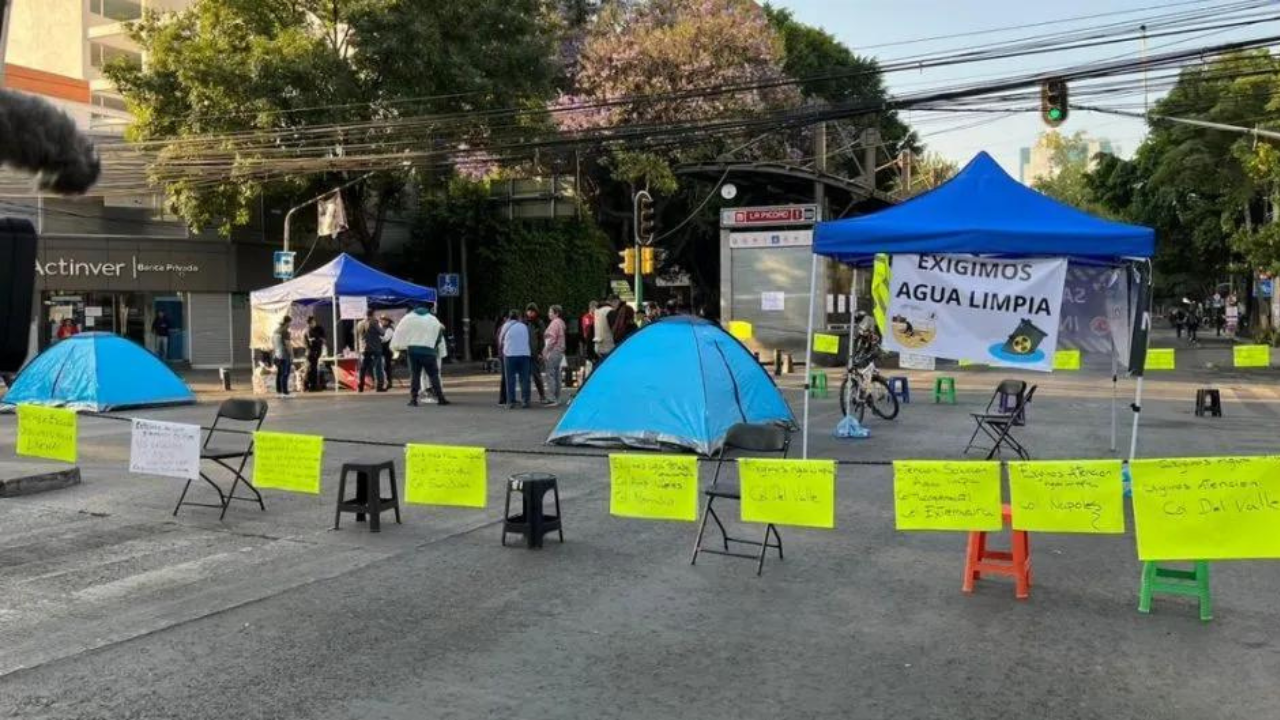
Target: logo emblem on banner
x,y
1004,311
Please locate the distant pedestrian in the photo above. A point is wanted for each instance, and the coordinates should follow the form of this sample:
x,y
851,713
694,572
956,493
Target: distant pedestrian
x,y
66,329
553,352
587,324
652,313
369,347
537,332
388,332
500,326
160,328
421,336
624,323
516,357
315,338
282,355
1179,319
605,315
1193,323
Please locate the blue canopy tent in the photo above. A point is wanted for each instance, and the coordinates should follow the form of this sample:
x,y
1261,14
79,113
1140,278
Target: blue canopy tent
x,y
679,382
344,276
983,211
97,371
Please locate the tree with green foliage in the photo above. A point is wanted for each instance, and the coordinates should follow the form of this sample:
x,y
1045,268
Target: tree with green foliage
x,y
1198,187
287,69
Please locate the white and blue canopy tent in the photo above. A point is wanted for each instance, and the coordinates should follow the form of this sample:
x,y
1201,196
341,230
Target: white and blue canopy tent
x,y
983,211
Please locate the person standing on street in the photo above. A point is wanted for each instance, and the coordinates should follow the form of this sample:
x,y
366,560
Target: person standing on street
x,y
388,331
160,328
604,327
536,335
500,326
282,354
422,336
587,325
516,354
553,352
315,348
369,345
1193,323
624,323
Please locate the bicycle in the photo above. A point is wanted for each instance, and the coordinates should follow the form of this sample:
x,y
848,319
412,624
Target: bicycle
x,y
863,385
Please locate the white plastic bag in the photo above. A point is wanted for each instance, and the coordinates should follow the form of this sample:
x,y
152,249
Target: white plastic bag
x,y
849,427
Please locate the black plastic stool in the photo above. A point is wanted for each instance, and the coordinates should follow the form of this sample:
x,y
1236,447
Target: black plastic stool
x,y
1208,400
531,522
368,497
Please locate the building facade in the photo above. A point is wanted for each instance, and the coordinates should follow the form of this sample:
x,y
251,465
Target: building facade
x,y
1036,162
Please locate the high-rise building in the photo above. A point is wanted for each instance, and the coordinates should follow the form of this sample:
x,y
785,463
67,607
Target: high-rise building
x,y
1036,162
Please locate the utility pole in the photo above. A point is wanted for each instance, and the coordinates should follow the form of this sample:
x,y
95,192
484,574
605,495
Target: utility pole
x,y
820,167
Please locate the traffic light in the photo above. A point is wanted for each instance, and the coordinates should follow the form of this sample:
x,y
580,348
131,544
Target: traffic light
x,y
628,263
644,216
1053,102
648,260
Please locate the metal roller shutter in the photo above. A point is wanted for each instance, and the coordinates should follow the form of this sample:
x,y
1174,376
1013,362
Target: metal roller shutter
x,y
210,330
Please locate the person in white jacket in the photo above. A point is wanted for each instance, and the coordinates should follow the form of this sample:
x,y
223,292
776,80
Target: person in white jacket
x,y
421,335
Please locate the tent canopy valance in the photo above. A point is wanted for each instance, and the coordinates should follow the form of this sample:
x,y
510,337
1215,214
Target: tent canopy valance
x,y
982,211
344,276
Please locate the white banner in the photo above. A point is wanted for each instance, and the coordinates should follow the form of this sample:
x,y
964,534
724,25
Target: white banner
x,y
352,307
163,448
997,311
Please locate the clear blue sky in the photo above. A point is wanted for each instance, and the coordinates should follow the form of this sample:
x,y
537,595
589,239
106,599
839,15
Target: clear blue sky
x,y
860,24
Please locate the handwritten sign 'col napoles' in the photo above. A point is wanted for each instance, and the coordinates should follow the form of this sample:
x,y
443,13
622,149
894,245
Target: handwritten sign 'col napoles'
x,y
654,487
165,449
788,492
1072,496
1207,508
946,495
47,432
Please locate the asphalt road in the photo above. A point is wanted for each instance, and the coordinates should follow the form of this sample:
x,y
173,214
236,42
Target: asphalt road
x,y
112,608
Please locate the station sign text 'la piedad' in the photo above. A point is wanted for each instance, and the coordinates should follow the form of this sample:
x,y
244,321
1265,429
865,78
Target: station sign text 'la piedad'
x,y
769,216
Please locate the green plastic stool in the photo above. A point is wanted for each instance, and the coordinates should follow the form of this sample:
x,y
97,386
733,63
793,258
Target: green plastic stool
x,y
1171,581
944,387
817,384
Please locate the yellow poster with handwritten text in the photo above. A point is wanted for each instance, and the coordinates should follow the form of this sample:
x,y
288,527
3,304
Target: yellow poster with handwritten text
x,y
1161,359
788,492
829,344
445,475
741,329
654,487
1251,355
1066,360
1067,496
287,461
47,432
1219,508
946,495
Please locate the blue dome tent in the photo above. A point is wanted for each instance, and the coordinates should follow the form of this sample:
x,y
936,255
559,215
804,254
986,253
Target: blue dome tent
x,y
97,371
679,382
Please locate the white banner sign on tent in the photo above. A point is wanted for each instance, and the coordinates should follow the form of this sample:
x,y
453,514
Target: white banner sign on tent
x,y
166,449
1000,311
352,308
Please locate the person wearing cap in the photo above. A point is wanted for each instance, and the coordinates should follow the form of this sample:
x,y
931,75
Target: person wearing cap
x,y
388,330
421,335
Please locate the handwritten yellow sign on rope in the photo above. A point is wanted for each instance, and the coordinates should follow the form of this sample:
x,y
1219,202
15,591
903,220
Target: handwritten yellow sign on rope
x,y
823,343
788,492
445,475
47,432
287,461
1066,360
654,487
1219,508
1251,355
741,329
1070,496
946,495
1161,359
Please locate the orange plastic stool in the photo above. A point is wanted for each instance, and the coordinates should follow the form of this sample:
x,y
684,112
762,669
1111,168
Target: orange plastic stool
x,y
1016,564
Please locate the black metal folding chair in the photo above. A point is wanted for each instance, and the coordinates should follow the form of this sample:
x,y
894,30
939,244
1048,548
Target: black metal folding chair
x,y
249,414
749,438
998,427
1008,388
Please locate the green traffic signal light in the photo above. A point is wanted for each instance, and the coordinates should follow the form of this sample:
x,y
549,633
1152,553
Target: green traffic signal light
x,y
1055,113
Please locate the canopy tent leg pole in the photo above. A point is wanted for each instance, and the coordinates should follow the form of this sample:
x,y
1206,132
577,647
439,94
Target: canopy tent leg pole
x,y
808,358
1115,389
853,308
334,345
1137,415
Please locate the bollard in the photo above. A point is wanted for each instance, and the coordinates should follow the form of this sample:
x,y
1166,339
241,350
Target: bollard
x,y
224,377
788,364
777,362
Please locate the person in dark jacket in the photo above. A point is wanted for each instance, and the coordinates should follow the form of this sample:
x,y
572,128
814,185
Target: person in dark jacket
x,y
315,348
624,323
369,345
537,329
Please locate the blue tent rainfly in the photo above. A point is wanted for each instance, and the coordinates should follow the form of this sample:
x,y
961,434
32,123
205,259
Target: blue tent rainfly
x,y
98,371
681,382
982,211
